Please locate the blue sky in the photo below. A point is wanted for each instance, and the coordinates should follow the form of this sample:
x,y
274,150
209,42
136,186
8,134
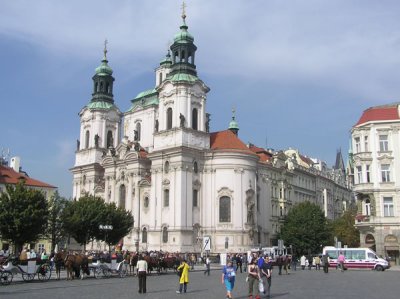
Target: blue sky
x,y
299,73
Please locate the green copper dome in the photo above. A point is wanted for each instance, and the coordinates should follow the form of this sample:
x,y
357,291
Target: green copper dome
x,y
104,69
233,124
183,36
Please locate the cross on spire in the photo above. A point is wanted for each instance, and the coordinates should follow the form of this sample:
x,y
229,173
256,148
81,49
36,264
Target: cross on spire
x,y
105,49
183,11
233,112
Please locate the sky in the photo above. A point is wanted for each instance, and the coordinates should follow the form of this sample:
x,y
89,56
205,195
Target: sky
x,y
299,73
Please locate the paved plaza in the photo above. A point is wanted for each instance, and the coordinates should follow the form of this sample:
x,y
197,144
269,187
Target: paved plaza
x,y
351,284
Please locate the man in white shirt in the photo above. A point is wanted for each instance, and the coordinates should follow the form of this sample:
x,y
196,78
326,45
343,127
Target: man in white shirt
x,y
142,271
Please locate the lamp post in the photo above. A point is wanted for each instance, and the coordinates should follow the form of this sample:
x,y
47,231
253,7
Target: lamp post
x,y
105,228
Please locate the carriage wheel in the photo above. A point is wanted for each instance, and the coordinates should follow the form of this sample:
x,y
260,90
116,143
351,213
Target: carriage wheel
x,y
6,277
124,271
98,272
106,272
44,272
28,276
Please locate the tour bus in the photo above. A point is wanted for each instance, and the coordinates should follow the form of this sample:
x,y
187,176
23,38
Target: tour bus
x,y
356,258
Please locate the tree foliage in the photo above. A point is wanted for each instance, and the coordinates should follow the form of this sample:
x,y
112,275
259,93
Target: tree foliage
x,y
23,214
83,218
345,230
306,229
55,230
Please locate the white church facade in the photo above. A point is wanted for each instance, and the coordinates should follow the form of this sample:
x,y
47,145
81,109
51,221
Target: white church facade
x,y
183,183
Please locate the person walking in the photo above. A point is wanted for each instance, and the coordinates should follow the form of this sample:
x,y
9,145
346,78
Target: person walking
x,y
279,262
266,274
208,265
294,262
253,279
325,262
228,278
142,272
341,259
317,262
239,262
303,262
184,277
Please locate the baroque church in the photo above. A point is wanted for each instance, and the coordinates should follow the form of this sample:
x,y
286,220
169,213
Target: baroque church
x,y
188,189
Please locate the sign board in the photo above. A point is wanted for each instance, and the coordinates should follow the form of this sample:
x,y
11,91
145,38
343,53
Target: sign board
x,y
206,243
223,259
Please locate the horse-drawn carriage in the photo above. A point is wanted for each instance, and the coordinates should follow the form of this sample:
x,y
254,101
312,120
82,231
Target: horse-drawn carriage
x,y
28,269
103,268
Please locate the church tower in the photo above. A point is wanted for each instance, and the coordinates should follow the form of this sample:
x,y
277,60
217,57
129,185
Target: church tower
x,y
99,131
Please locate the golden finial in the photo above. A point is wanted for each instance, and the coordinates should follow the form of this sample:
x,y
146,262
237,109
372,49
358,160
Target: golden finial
x,y
105,49
183,11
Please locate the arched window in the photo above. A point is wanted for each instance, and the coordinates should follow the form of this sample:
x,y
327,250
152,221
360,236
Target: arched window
x,y
195,167
160,78
165,235
182,56
87,139
110,141
166,198
96,86
194,119
138,130
144,235
195,198
108,87
224,209
166,167
122,194
101,86
169,118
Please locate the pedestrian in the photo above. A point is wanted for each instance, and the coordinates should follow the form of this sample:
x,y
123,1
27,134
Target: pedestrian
x,y
184,276
239,263
208,265
294,262
266,276
228,278
141,268
44,257
253,279
303,262
286,263
317,262
341,259
325,262
310,262
279,262
244,261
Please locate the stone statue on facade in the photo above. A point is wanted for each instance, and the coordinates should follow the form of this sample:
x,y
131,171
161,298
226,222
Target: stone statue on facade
x,y
96,140
78,144
135,135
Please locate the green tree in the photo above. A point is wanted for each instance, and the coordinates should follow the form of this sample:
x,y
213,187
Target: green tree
x,y
345,230
120,219
55,230
23,214
82,218
306,228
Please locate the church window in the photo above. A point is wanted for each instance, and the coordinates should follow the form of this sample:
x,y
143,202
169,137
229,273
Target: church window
x,y
122,195
166,198
166,167
195,167
108,87
160,78
87,139
225,209
109,139
101,86
194,119
146,202
96,86
144,235
169,118
165,235
182,56
138,131
195,198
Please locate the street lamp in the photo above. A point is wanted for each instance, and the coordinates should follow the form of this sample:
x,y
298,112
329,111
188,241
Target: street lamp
x,y
105,228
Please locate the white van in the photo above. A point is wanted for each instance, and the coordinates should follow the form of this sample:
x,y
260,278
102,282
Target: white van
x,y
363,258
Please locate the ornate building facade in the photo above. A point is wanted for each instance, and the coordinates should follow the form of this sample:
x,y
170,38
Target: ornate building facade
x,y
376,160
183,183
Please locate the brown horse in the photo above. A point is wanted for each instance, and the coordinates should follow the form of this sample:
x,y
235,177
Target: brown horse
x,y
59,258
76,263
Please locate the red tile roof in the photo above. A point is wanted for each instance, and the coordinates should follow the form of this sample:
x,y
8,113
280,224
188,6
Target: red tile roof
x,y
227,140
10,176
379,113
264,155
